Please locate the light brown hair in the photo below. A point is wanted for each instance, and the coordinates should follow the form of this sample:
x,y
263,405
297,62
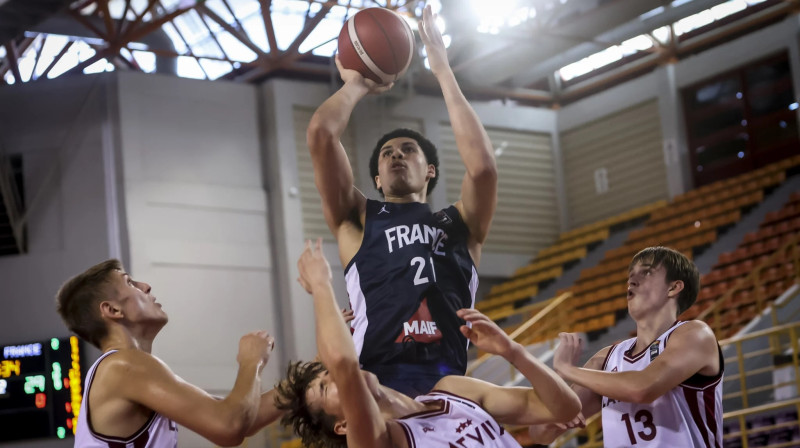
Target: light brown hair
x,y
678,267
77,301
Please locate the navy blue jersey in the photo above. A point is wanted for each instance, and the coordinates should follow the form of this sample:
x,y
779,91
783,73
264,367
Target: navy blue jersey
x,y
411,274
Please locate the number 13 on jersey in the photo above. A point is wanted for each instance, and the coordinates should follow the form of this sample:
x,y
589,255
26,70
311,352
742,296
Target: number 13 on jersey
x,y
644,419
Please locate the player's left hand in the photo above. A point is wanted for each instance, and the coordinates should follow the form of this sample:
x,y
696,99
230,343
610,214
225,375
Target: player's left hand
x,y
569,350
434,43
485,334
314,268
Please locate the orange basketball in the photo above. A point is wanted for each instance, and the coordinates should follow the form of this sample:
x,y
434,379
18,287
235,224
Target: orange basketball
x,y
377,43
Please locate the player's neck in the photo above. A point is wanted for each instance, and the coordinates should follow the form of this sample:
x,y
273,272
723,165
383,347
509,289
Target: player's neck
x,y
649,329
397,405
406,198
121,338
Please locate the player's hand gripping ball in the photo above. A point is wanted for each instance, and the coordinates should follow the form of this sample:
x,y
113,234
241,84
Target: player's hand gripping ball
x,y
378,43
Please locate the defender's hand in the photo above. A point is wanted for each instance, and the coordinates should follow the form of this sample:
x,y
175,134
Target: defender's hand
x,y
255,347
569,350
348,315
314,268
485,334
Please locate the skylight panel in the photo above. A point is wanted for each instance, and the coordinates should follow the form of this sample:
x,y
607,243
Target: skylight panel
x,y
215,69
235,49
27,60
177,42
188,67
605,57
98,67
76,54
219,9
254,27
146,60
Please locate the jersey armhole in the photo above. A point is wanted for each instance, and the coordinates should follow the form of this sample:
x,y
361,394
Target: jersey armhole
x,y
366,234
608,355
702,381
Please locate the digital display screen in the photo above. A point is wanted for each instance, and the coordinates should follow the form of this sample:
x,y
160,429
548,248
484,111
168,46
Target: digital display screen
x,y
40,389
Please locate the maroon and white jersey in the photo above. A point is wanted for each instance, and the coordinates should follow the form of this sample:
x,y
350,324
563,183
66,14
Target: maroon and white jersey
x,y
458,422
690,415
157,432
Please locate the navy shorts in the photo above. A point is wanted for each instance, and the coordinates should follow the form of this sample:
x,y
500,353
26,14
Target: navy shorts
x,y
411,379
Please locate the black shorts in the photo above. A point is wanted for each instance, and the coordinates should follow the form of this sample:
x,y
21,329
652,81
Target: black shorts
x,y
411,379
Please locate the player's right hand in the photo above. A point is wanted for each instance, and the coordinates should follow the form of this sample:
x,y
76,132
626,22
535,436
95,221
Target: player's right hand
x,y
255,347
353,76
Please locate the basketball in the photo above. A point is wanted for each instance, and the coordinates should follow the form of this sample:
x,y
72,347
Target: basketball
x,y
378,43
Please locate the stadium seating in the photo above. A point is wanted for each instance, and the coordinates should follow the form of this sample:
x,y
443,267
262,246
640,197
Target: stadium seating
x,y
504,298
691,221
732,285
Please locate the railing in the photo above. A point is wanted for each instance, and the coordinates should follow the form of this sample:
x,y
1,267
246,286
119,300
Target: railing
x,y
744,432
753,280
781,340
546,322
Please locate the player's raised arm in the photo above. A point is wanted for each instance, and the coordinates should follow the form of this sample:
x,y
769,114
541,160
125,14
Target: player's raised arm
x,y
332,173
479,187
590,404
692,349
141,378
549,400
267,413
365,425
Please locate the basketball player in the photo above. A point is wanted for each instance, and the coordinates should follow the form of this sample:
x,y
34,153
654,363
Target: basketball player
x,y
131,398
341,405
407,269
662,388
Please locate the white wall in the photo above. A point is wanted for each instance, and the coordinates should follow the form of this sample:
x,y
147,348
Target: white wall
x,y
62,129
198,221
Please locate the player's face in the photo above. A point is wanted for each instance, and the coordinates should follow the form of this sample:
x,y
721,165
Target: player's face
x,y
322,393
402,167
647,288
138,305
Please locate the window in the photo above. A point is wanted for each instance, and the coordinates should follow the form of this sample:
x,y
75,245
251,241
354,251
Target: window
x,y
741,120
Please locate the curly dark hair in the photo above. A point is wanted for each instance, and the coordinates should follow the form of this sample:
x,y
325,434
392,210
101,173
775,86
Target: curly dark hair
x,y
77,301
314,427
428,148
678,267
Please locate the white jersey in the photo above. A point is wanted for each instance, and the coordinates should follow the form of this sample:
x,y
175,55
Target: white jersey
x,y
459,422
690,415
157,432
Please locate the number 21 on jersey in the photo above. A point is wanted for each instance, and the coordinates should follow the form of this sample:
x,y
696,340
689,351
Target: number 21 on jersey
x,y
420,278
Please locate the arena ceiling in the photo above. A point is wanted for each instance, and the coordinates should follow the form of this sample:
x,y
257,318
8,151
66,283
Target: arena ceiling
x,y
546,52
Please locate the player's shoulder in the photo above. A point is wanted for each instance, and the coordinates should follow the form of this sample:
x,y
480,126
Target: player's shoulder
x,y
125,364
692,335
694,329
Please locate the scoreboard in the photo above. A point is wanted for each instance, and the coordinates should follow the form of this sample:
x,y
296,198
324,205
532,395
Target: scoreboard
x,y
40,389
